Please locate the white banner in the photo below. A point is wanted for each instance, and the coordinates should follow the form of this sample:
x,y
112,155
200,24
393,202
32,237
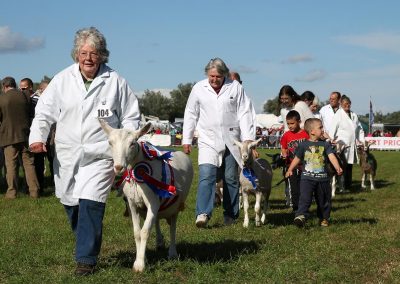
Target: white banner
x,y
385,143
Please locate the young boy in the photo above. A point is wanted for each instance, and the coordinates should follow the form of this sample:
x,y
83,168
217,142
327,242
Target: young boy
x,y
314,154
289,143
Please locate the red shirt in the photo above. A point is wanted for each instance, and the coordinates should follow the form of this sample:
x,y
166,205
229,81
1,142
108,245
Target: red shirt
x,y
290,141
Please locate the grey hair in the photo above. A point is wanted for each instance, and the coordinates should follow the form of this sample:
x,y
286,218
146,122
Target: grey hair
x,y
93,37
315,101
218,64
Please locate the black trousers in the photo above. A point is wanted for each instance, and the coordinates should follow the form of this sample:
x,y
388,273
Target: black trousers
x,y
348,176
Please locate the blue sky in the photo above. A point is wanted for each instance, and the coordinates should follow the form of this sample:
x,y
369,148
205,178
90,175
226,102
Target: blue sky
x,y
323,46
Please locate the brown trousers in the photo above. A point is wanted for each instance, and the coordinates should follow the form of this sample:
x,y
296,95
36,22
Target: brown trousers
x,y
11,153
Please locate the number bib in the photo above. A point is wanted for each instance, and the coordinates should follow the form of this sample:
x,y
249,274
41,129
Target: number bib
x,y
104,113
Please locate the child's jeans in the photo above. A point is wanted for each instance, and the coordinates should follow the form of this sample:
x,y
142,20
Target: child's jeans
x,y
323,198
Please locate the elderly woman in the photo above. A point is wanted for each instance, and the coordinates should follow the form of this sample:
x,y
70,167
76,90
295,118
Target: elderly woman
x,y
346,128
312,101
289,100
314,107
221,111
75,99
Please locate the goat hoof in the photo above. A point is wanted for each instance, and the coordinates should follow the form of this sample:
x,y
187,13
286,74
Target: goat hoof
x,y
263,218
245,225
258,224
138,266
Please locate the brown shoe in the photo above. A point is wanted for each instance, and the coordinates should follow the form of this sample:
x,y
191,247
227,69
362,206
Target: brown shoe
x,y
11,194
83,269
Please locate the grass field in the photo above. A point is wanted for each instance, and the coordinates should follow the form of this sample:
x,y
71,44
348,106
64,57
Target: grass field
x,y
362,245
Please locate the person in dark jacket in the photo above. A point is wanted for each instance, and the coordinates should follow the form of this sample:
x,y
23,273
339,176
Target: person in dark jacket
x,y
26,85
14,133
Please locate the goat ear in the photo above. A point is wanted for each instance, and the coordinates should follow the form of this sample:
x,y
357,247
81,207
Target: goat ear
x,y
145,129
237,143
254,143
106,127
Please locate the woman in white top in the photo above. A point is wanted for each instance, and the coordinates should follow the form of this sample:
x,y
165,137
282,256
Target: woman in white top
x,y
289,100
346,128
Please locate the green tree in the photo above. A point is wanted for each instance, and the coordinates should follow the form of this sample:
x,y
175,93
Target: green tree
x,y
393,117
153,103
272,106
179,99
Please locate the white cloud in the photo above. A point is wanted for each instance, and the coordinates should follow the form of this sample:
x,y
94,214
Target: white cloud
x,y
386,41
298,58
14,42
312,76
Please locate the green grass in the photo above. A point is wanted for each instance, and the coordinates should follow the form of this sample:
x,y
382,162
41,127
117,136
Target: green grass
x,y
362,245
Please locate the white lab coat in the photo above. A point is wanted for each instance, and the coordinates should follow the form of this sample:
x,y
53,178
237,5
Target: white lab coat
x,y
349,131
220,119
327,113
83,166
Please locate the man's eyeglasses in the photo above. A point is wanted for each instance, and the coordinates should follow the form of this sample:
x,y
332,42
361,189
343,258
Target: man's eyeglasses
x,y
23,89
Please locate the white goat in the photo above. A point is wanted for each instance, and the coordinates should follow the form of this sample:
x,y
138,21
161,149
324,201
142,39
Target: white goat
x,y
261,173
368,164
143,201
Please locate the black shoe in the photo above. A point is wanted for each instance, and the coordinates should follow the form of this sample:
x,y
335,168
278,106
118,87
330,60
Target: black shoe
x,y
83,269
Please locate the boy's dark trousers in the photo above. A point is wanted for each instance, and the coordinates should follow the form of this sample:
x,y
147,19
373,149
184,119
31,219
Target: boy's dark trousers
x,y
323,198
294,189
347,174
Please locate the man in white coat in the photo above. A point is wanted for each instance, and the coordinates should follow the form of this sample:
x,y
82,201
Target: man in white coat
x,y
347,129
83,168
328,111
221,111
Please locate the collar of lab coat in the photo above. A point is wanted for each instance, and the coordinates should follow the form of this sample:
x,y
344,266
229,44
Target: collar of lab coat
x,y
102,74
226,84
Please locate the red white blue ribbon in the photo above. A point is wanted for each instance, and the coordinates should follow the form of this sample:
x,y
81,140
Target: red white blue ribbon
x,y
143,173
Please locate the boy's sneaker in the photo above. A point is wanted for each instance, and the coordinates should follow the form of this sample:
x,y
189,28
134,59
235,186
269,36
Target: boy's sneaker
x,y
201,220
324,223
300,221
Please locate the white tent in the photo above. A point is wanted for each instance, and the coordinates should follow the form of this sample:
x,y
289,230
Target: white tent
x,y
268,120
